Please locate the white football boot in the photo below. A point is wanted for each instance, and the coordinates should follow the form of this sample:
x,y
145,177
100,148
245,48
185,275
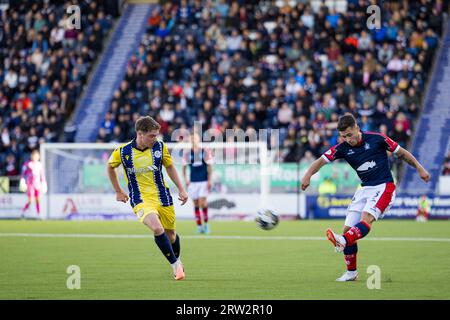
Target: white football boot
x,y
178,270
348,276
337,240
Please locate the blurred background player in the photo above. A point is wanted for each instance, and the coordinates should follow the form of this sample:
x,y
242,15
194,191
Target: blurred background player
x,y
327,187
424,209
33,181
199,184
143,159
366,152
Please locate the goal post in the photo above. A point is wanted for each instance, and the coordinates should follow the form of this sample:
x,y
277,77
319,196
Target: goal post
x,y
79,188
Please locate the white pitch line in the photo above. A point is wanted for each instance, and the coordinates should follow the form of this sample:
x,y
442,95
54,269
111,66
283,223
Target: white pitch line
x,y
140,236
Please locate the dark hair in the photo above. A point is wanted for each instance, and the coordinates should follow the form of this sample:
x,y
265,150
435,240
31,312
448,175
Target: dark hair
x,y
146,124
346,121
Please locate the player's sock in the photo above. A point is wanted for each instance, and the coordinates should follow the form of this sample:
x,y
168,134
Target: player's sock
x,y
350,256
164,245
22,215
38,208
198,218
176,246
360,230
26,207
205,214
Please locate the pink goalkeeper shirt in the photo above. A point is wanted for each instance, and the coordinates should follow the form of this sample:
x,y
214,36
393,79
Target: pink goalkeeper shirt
x,y
33,174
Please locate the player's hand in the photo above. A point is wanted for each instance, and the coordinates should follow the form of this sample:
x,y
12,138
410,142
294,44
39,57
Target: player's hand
x,y
424,175
22,185
305,183
44,188
183,197
209,186
121,196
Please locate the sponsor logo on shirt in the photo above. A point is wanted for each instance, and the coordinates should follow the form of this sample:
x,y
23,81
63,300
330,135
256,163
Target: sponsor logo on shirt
x,y
142,169
367,166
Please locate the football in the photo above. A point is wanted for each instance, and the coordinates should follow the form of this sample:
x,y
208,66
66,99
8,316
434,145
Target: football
x,y
266,219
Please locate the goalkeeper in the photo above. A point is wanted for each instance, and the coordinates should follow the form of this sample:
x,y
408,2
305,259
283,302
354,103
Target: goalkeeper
x,y
32,181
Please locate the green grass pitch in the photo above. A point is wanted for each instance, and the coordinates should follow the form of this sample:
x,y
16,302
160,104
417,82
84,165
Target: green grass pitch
x,y
291,266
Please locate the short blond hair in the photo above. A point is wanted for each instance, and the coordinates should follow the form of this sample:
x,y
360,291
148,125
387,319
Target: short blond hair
x,y
146,124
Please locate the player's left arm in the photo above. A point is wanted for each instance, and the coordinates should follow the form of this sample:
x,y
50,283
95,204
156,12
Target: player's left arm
x,y
173,174
185,162
43,181
210,169
406,156
209,161
403,154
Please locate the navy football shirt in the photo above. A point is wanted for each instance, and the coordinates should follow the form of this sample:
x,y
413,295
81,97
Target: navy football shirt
x,y
369,158
198,162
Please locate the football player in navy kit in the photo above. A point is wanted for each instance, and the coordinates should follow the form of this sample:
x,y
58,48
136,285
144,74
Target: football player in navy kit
x,y
366,153
199,185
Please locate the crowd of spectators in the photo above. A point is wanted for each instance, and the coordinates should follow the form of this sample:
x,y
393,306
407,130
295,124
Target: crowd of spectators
x,y
44,63
227,64
251,65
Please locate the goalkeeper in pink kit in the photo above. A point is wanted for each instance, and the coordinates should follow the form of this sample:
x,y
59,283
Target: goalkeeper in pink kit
x,y
33,181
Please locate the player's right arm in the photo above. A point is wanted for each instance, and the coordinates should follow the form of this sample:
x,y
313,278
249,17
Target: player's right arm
x,y
313,169
209,162
332,154
23,183
113,162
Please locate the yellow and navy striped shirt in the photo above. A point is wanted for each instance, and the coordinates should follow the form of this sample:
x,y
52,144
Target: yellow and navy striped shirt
x,y
143,172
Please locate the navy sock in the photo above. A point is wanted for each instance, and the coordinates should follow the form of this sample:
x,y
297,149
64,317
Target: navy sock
x,y
164,245
176,246
351,249
350,256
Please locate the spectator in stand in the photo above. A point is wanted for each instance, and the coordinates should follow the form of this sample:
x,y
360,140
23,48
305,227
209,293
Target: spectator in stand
x,y
43,65
446,169
399,134
108,124
11,168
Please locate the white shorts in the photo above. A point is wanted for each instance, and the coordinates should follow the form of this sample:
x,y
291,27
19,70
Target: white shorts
x,y
375,200
198,190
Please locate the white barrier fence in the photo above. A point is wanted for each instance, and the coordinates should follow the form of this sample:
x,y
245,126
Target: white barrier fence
x,y
444,185
104,206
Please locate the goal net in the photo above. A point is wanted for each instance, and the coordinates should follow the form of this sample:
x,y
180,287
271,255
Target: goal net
x,y
79,187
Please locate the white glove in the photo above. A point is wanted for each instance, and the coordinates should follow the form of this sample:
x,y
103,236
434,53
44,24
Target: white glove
x,y
44,188
22,185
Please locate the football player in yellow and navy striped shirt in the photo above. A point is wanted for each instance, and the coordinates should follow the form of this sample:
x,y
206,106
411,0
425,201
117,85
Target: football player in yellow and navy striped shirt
x,y
143,159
